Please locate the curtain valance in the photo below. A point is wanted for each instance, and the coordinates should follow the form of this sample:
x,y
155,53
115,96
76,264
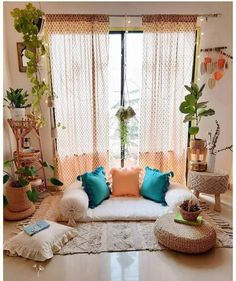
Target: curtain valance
x,y
169,23
71,23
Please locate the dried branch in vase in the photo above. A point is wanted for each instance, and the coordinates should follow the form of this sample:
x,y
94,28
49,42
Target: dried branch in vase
x,y
213,141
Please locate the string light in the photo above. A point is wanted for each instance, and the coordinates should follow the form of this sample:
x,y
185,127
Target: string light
x,y
202,33
201,19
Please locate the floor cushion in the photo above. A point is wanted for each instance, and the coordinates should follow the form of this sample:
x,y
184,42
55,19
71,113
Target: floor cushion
x,y
42,245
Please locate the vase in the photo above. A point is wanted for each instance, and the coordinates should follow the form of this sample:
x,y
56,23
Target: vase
x,y
211,163
18,114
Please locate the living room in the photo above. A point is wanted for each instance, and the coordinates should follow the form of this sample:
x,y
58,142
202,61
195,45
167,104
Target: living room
x,y
118,140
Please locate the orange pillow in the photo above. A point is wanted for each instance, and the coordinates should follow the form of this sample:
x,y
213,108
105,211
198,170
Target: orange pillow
x,y
125,181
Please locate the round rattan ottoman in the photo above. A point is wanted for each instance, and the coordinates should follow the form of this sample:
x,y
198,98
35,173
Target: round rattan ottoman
x,y
184,238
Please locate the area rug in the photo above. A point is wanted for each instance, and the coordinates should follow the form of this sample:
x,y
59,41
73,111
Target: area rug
x,y
97,237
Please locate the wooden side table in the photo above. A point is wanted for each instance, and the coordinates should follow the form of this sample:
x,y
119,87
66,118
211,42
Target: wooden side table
x,y
210,183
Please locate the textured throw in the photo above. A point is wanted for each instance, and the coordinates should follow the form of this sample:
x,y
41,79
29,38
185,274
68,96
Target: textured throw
x,y
97,237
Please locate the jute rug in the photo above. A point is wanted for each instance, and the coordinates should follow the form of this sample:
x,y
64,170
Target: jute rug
x,y
97,237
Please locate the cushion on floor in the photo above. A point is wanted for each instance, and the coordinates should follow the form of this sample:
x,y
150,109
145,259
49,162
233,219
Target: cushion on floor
x,y
42,245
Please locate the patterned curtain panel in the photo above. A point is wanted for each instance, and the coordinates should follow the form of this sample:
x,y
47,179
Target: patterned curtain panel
x,y
78,47
168,54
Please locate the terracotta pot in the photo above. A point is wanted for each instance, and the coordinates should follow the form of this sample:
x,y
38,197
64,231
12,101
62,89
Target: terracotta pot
x,y
197,143
17,198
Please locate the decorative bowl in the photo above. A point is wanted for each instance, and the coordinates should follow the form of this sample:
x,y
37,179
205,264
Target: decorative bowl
x,y
189,216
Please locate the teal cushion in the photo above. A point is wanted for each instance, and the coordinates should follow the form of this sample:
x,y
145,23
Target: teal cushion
x,y
95,186
155,185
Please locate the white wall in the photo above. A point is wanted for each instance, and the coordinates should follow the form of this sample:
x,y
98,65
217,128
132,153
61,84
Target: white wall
x,y
217,32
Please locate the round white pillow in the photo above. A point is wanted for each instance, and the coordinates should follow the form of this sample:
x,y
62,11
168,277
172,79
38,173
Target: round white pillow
x,y
176,194
73,205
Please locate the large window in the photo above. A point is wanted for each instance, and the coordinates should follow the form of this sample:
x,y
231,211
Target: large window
x,y
125,76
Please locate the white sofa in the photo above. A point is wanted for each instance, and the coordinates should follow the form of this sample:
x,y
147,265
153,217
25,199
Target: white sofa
x,y
74,205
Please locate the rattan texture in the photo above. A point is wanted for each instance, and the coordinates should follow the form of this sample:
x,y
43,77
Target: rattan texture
x,y
211,183
184,238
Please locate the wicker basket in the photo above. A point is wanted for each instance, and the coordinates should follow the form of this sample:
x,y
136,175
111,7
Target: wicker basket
x,y
17,198
189,216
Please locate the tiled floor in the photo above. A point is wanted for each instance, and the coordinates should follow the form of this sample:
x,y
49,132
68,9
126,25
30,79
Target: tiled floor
x,y
144,266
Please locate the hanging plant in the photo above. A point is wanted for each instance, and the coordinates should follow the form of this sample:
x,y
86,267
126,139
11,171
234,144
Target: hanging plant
x,y
29,22
124,115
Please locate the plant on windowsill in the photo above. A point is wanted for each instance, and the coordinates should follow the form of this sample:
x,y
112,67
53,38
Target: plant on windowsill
x,y
29,22
194,111
18,193
16,100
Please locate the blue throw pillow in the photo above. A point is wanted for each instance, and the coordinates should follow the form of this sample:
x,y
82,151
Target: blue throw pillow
x,y
95,186
155,185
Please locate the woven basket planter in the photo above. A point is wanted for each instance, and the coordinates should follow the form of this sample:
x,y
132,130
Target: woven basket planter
x,y
17,198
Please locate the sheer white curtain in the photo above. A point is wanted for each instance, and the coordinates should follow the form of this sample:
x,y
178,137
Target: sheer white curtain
x,y
168,54
78,48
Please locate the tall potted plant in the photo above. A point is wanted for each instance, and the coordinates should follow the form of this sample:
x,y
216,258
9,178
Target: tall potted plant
x,y
19,194
29,22
194,112
16,100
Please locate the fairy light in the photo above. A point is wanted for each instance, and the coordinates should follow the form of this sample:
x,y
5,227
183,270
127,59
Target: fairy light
x,y
201,19
202,33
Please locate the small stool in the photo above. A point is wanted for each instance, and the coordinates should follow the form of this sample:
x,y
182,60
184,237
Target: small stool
x,y
210,183
184,238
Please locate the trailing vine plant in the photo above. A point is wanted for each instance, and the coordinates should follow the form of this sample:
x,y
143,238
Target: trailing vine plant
x,y
27,21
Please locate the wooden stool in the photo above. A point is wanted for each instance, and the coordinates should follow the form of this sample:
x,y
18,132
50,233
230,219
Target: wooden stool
x,y
210,183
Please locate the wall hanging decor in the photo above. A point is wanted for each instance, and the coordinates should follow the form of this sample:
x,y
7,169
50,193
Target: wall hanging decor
x,y
214,67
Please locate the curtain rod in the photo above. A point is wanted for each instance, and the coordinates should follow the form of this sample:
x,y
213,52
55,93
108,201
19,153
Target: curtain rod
x,y
198,15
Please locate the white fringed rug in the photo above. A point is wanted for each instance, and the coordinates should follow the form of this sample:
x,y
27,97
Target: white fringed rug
x,y
97,237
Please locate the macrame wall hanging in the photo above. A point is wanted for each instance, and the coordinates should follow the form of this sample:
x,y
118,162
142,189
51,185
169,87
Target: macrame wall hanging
x,y
125,112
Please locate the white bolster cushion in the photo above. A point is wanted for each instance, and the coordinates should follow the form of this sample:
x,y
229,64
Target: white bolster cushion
x,y
177,193
73,205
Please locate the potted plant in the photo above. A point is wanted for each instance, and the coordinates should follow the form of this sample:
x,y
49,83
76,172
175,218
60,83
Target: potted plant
x,y
29,22
212,151
190,210
19,194
194,111
16,100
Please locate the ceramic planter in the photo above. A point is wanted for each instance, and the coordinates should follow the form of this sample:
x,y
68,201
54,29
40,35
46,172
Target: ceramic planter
x,y
18,114
211,163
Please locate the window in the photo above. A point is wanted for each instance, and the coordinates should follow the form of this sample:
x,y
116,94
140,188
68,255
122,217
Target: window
x,y
125,76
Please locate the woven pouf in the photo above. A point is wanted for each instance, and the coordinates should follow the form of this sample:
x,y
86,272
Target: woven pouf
x,y
184,238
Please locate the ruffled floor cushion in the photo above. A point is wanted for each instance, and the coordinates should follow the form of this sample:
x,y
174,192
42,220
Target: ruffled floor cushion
x,y
41,246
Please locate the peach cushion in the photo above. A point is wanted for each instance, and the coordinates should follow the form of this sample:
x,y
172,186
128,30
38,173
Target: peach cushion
x,y
125,181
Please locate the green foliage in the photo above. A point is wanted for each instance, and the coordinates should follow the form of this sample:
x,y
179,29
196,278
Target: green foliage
x,y
5,201
16,99
25,22
124,115
193,109
32,195
56,182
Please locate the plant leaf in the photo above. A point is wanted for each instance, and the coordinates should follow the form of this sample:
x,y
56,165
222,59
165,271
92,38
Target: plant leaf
x,y
5,201
195,87
23,181
201,104
56,182
190,99
207,112
8,163
185,107
32,195
189,117
5,178
193,130
203,86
